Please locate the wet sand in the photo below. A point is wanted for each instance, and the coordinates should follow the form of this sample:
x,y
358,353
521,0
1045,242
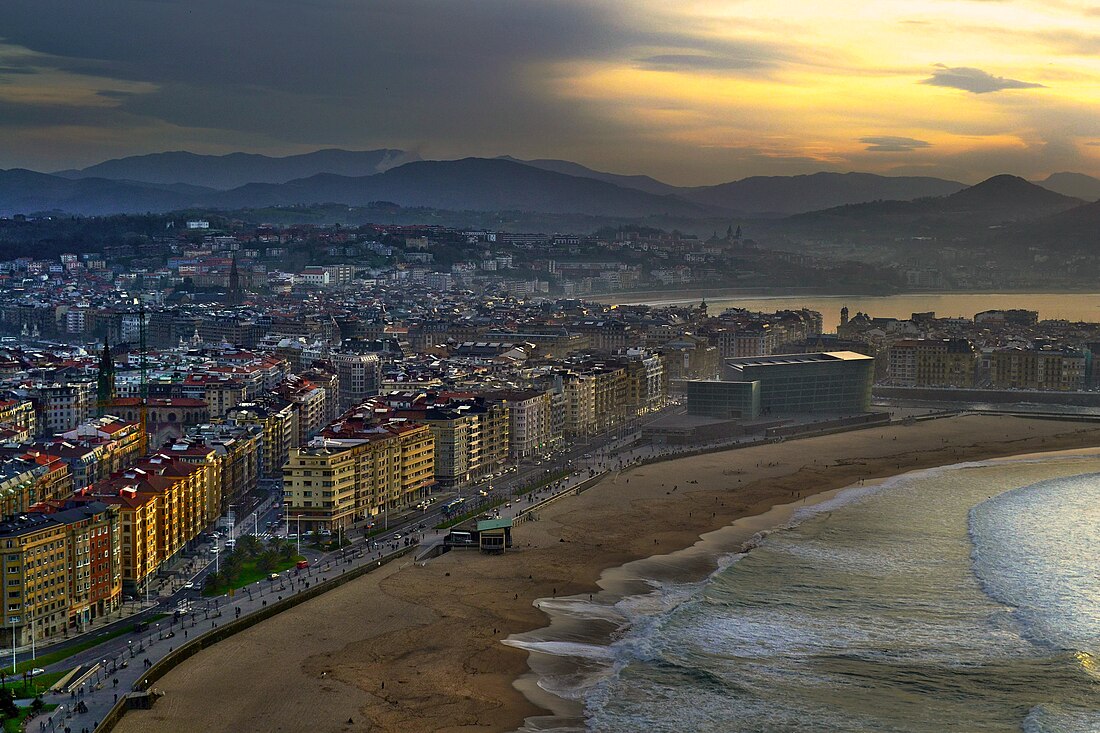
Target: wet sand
x,y
418,647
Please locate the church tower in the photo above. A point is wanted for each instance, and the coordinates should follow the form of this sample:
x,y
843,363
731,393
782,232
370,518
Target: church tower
x,y
234,284
105,381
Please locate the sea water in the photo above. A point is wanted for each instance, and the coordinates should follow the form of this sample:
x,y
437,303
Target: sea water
x,y
965,598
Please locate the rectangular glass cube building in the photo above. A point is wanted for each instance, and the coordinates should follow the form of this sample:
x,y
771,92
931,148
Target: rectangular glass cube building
x,y
837,382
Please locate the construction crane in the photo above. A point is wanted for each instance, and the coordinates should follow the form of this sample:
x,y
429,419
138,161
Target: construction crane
x,y
143,389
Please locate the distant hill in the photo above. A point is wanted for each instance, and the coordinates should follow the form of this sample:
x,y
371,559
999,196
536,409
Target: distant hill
x,y
476,184
640,183
170,181
473,184
969,213
1077,185
1074,229
23,191
237,169
996,199
1006,197
817,191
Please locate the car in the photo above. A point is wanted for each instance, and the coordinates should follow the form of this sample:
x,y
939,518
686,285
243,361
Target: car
x,y
214,550
273,576
302,564
36,671
397,536
189,584
508,505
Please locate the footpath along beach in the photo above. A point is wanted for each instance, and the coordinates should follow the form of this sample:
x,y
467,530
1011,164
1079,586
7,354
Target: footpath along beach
x,y
419,647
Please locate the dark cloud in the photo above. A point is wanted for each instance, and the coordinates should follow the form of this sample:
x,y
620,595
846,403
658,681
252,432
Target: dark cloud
x,y
892,144
974,80
456,77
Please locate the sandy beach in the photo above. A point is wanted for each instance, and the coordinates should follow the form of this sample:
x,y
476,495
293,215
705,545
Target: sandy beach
x,y
418,647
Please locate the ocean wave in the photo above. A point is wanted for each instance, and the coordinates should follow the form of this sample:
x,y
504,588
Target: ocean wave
x,y
736,642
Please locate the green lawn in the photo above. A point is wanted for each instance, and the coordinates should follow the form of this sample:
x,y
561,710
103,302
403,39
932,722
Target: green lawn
x,y
15,725
250,574
35,685
44,660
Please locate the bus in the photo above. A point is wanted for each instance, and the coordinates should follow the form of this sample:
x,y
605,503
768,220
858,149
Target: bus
x,y
452,507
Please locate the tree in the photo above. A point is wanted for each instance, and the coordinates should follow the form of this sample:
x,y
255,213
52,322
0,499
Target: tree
x,y
213,580
232,566
37,706
267,561
7,703
249,545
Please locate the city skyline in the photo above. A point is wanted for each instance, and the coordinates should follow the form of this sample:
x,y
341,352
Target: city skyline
x,y
698,93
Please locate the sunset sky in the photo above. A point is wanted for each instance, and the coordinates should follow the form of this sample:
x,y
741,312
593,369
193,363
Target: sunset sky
x,y
689,92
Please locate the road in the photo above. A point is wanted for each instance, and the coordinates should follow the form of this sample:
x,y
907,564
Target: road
x,y
405,527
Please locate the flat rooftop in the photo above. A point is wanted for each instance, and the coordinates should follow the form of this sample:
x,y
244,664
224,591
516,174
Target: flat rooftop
x,y
824,356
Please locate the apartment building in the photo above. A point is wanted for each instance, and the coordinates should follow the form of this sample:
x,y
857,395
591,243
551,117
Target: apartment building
x,y
278,419
932,363
60,570
162,506
1037,369
530,424
359,376
356,469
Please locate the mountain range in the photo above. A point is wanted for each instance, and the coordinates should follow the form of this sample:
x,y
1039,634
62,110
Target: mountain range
x,y
237,169
180,180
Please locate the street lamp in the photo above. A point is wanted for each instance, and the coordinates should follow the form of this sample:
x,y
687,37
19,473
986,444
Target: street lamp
x,y
298,518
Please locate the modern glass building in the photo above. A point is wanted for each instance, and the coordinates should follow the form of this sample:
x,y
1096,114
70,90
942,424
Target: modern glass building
x,y
836,382
723,400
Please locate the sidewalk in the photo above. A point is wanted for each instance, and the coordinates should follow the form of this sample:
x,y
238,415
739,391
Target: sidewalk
x,y
121,663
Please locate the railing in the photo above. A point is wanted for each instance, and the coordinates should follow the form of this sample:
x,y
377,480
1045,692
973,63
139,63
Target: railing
x,y
175,657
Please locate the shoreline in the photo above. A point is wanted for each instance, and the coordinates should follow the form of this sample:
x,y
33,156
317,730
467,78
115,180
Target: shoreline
x,y
590,626
690,295
659,298
434,632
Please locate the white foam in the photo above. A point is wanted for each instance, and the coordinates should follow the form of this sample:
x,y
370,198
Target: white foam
x,y
592,652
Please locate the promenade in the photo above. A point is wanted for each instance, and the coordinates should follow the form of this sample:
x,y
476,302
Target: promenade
x,y
118,667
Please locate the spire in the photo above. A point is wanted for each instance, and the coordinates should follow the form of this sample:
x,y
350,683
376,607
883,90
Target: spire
x,y
105,380
234,284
